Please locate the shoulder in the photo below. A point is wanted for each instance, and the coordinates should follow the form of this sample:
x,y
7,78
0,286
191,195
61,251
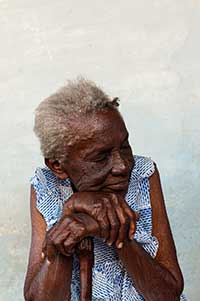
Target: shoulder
x,y
138,192
51,193
143,167
43,177
44,181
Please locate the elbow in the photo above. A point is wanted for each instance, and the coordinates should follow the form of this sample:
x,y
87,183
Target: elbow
x,y
170,291
179,287
181,284
176,285
176,296
176,289
171,294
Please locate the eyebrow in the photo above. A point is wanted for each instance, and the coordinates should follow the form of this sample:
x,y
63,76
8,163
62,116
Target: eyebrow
x,y
103,149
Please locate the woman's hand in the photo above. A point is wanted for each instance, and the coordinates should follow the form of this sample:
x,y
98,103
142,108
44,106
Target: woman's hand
x,y
115,218
69,231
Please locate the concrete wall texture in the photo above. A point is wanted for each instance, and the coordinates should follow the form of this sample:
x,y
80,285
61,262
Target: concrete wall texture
x,y
145,52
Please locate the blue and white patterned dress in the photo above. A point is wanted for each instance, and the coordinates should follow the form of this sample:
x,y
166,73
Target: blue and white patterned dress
x,y
110,281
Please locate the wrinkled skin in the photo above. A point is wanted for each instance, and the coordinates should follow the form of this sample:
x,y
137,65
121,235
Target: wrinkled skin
x,y
64,236
105,222
99,167
99,205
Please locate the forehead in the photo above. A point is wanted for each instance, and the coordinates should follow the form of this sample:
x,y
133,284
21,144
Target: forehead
x,y
99,130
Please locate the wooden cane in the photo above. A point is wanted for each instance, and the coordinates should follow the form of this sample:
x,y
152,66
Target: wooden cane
x,y
85,252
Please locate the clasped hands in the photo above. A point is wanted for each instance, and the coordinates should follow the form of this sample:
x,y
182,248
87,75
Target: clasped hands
x,y
87,214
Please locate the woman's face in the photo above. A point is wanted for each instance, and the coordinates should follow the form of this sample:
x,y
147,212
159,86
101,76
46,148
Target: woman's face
x,y
102,158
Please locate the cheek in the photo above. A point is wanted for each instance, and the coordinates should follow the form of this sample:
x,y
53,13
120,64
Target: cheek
x,y
92,175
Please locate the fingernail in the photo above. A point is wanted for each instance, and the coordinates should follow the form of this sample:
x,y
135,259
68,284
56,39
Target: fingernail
x,y
48,261
120,245
109,244
42,255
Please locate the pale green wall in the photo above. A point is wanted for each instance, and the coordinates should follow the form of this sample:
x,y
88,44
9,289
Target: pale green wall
x,y
145,52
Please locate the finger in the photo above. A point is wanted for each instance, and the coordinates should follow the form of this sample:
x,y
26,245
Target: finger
x,y
59,242
83,245
69,244
44,246
99,214
90,244
69,207
114,222
124,221
72,235
53,229
104,224
51,252
59,228
133,217
58,236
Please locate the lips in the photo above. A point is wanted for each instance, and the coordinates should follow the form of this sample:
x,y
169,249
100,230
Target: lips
x,y
117,186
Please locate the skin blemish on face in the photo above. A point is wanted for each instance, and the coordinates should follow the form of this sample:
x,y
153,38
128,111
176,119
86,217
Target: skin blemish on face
x,y
101,158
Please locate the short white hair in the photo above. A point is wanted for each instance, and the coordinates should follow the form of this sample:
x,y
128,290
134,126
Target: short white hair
x,y
76,98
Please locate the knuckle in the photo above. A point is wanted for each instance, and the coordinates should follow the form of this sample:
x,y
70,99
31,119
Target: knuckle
x,y
82,229
102,218
66,243
49,240
97,209
112,195
114,198
104,227
123,222
79,231
115,225
69,244
106,201
56,242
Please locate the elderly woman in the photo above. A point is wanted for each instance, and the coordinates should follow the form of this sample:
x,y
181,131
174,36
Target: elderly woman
x,y
93,186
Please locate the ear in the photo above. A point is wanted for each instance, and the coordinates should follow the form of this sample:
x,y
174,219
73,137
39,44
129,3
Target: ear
x,y
55,166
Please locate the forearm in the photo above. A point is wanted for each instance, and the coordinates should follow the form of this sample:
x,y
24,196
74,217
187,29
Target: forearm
x,y
152,280
52,282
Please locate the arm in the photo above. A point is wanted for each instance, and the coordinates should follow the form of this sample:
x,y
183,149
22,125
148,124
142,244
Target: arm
x,y
48,278
159,278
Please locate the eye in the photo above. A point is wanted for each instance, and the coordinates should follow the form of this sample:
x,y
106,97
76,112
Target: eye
x,y
101,158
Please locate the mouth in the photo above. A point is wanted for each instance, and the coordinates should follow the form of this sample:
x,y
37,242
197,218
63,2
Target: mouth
x,y
120,186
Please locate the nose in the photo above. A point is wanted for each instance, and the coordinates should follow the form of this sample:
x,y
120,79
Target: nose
x,y
119,166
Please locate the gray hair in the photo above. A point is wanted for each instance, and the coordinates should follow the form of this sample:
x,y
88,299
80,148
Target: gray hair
x,y
52,116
